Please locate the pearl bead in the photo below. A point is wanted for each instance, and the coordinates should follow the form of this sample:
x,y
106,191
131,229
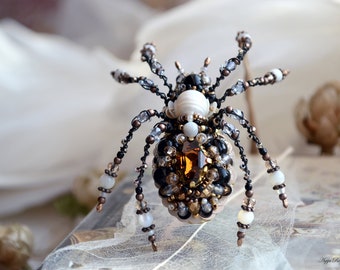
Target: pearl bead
x,y
190,129
277,178
245,217
191,102
107,181
278,74
145,219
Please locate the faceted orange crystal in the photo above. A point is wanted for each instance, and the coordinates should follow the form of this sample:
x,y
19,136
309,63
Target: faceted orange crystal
x,y
190,161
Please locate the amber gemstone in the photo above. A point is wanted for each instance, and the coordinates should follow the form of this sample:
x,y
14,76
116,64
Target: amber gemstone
x,y
190,161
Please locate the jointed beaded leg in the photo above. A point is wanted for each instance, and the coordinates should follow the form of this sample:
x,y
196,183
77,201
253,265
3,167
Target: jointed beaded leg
x,y
108,179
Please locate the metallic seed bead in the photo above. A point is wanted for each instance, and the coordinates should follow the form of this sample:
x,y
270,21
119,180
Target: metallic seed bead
x,y
266,157
101,200
139,197
283,196
117,160
136,123
152,238
241,234
249,193
225,72
229,109
243,226
162,126
150,139
277,187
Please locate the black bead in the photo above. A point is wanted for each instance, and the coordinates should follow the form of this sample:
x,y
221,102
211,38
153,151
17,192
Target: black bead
x,y
248,186
139,190
193,80
160,174
263,151
120,154
224,176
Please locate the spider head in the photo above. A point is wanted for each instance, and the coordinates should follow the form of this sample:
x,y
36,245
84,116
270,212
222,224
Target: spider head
x,y
192,99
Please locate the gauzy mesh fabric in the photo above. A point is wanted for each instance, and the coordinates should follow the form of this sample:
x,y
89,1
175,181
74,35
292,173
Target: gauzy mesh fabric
x,y
209,245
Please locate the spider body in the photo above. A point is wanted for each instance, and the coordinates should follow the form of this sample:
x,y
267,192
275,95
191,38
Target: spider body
x,y
192,156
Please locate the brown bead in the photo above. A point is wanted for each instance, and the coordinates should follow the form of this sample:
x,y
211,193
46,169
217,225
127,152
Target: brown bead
x,y
152,238
151,112
162,126
283,196
101,200
249,193
99,207
225,72
266,157
140,197
241,234
117,160
150,139
136,124
229,109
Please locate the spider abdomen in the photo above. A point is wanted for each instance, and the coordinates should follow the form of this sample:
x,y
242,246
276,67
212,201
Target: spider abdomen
x,y
192,177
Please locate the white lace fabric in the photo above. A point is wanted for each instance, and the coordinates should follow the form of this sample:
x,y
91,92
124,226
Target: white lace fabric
x,y
189,246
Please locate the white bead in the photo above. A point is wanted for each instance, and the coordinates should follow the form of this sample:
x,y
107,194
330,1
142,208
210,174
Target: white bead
x,y
145,219
278,74
277,178
191,102
245,217
190,129
107,181
281,191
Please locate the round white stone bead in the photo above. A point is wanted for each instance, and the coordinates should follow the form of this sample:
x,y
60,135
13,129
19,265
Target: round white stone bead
x,y
145,219
278,74
190,129
245,217
191,102
277,178
107,181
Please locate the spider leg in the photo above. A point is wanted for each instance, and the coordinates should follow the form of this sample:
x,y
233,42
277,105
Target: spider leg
x,y
107,180
124,78
148,55
244,43
240,86
143,211
246,216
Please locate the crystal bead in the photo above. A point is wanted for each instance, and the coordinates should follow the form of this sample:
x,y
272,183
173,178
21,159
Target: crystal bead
x,y
180,138
245,217
237,114
201,138
218,189
228,129
238,88
156,132
172,178
183,210
230,65
206,207
171,151
145,219
107,181
281,191
143,116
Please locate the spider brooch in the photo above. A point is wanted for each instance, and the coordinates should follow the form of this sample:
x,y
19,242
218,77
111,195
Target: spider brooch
x,y
192,158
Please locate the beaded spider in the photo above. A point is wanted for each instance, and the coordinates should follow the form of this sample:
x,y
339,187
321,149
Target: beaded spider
x,y
192,158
